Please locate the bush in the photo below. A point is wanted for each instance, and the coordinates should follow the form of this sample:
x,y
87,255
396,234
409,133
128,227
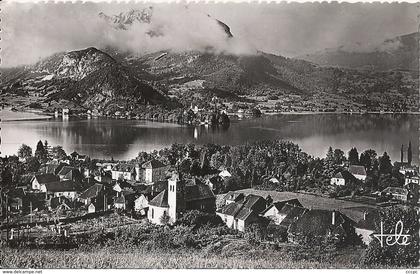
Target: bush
x,y
197,219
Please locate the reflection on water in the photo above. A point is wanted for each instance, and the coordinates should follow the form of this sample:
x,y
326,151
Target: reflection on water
x,y
123,139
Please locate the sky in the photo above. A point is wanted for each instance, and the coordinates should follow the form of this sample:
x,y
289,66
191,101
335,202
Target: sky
x,y
32,31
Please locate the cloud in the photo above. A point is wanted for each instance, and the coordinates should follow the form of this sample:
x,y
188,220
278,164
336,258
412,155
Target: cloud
x,y
35,31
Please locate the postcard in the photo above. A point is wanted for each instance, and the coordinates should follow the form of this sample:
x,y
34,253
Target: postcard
x,y
146,135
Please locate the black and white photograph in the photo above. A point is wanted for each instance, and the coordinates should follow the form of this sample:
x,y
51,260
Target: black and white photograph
x,y
194,135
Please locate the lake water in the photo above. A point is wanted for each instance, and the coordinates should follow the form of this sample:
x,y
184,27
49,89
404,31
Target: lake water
x,y
123,139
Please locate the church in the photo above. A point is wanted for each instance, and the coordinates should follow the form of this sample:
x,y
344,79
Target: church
x,y
180,196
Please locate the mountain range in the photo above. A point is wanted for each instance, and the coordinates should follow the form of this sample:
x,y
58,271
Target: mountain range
x,y
109,78
398,53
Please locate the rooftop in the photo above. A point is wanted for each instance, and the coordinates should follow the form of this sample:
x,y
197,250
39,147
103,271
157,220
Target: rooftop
x,y
357,170
161,200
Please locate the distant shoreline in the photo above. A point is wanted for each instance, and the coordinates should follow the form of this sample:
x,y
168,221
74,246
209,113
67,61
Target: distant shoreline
x,y
25,115
28,115
336,112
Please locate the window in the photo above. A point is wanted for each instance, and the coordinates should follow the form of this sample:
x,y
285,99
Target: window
x,y
153,213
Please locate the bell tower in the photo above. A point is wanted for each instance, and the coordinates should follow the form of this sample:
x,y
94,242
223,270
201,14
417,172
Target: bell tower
x,y
172,196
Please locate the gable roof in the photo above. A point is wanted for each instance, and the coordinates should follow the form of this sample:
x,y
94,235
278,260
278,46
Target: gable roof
x,y
245,213
161,200
280,204
338,175
153,164
357,170
61,186
251,200
316,222
196,190
292,214
54,168
225,173
230,209
66,170
122,167
119,200
395,190
92,191
234,196
46,178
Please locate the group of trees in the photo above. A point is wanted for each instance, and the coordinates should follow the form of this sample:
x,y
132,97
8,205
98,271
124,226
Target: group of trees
x,y
12,168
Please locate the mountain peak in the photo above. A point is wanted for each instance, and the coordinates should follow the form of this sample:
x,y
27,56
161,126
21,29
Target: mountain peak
x,y
124,20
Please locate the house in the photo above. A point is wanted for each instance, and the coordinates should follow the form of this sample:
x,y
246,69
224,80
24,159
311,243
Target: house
x,y
91,208
124,172
198,195
64,188
413,193
359,172
53,167
39,181
411,179
338,179
178,197
225,174
60,202
154,171
397,193
102,176
70,173
274,213
316,225
408,169
91,193
232,197
239,215
15,203
367,226
141,204
120,202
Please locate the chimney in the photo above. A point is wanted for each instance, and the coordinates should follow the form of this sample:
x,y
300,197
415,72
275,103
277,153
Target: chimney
x,y
333,217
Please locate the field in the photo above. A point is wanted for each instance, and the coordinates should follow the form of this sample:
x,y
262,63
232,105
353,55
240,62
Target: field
x,y
105,258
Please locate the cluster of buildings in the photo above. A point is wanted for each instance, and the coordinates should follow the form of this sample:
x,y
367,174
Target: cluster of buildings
x,y
154,190
409,191
289,220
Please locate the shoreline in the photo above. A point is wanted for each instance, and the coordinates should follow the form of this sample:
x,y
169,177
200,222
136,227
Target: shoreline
x,y
40,116
336,112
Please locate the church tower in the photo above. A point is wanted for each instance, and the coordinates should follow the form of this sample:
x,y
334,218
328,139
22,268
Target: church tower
x,y
173,196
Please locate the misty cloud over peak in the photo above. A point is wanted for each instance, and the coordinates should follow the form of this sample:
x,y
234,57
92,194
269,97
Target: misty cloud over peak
x,y
139,31
33,31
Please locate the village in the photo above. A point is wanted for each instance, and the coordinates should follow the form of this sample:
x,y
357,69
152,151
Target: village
x,y
69,189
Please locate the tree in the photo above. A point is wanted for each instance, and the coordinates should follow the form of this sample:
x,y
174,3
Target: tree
x,y
58,152
25,151
353,156
330,155
409,153
32,164
395,255
385,166
339,156
40,152
368,159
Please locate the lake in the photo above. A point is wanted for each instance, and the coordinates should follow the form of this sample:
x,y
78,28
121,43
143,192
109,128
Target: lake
x,y
123,139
